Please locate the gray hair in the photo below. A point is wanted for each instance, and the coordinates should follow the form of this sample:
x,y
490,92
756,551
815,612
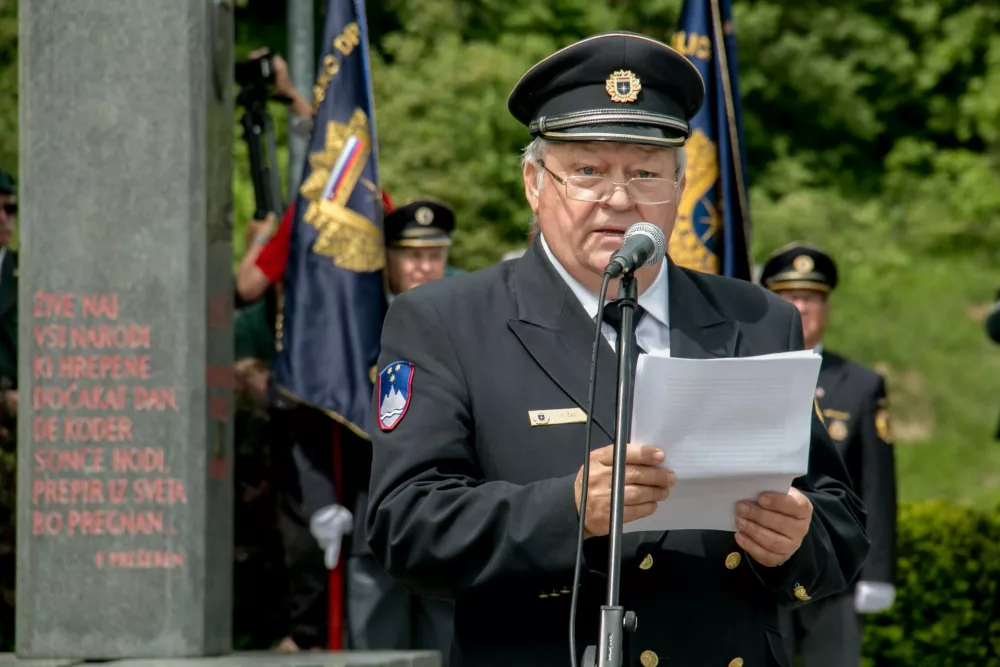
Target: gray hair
x,y
535,152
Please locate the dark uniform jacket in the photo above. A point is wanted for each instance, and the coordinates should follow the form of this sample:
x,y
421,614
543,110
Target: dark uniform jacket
x,y
470,501
8,320
855,408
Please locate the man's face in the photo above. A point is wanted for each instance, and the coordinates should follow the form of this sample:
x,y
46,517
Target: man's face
x,y
8,213
411,267
815,310
584,235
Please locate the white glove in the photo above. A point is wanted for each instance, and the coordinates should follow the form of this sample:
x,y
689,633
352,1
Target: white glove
x,y
328,526
873,596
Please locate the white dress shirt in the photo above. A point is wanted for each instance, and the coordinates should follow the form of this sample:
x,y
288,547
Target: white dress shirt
x,y
653,332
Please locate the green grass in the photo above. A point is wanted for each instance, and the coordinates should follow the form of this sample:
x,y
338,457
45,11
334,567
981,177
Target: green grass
x,y
920,322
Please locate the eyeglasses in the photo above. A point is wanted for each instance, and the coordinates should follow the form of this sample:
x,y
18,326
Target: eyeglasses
x,y
600,188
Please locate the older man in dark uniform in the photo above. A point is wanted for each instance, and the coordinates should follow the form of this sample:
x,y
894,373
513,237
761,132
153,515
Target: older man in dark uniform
x,y
474,499
828,633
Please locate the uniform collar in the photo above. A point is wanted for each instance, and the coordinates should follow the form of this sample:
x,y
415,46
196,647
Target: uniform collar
x,y
654,300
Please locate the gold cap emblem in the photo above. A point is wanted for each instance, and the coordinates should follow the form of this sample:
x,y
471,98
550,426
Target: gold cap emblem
x,y
424,215
803,263
623,86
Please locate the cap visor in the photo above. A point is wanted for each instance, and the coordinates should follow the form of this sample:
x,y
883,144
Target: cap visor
x,y
627,134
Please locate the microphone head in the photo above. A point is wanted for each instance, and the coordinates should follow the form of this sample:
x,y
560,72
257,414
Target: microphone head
x,y
655,234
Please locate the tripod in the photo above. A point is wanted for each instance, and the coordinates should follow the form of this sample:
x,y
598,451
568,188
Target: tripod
x,y
259,134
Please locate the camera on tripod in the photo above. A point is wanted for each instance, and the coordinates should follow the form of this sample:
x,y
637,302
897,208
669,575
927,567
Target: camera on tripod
x,y
255,78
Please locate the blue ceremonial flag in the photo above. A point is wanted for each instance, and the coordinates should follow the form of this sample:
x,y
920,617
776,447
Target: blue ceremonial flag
x,y
334,301
712,233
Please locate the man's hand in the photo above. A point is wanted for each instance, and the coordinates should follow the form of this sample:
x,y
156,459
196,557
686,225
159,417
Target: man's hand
x,y
251,377
772,529
645,485
260,231
10,402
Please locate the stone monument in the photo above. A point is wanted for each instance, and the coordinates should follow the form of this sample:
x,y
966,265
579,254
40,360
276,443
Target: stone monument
x,y
125,497
125,490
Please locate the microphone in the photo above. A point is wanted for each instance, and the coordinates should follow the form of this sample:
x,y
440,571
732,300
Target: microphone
x,y
643,244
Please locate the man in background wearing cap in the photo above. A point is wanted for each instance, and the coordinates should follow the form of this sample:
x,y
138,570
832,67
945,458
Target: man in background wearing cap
x,y
828,633
483,384
417,239
382,613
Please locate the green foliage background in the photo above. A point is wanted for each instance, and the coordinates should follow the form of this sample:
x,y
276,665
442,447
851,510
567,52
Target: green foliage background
x,y
872,127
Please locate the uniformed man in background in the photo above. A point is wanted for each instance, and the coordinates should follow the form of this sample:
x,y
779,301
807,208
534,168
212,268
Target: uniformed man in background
x,y
477,481
382,613
417,240
828,633
993,331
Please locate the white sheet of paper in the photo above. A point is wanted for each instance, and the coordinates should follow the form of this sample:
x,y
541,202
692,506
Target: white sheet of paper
x,y
731,428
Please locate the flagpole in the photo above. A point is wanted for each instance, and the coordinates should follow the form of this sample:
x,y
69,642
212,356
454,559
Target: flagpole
x,y
734,139
301,68
359,6
335,598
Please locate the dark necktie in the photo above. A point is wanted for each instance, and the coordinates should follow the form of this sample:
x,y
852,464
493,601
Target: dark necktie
x,y
613,317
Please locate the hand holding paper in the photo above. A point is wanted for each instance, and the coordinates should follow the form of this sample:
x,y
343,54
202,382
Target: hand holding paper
x,y
772,529
731,429
646,483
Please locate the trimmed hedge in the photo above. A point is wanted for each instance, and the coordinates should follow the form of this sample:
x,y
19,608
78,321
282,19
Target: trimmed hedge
x,y
947,609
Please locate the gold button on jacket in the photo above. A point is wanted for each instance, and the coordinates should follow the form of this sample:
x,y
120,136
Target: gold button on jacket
x,y
649,659
733,560
800,593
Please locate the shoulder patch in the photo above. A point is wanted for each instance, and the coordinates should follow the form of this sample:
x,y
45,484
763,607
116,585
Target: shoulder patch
x,y
394,390
882,426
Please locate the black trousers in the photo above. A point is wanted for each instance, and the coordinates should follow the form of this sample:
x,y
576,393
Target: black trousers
x,y
825,633
380,614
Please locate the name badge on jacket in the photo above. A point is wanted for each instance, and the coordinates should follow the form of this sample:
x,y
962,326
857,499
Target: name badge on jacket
x,y
557,416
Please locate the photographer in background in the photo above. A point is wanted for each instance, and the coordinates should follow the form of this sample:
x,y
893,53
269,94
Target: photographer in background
x,y
284,88
252,280
263,452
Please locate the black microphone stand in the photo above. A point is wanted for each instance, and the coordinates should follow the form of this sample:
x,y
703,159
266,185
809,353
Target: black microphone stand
x,y
615,621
